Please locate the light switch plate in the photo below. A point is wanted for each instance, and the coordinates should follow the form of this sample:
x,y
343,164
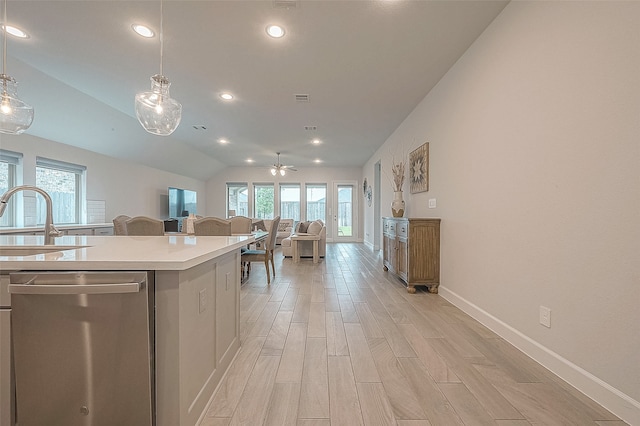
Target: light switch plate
x,y
432,203
203,300
545,316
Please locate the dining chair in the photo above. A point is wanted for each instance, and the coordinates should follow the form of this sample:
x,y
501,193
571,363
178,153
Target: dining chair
x,y
212,226
144,225
265,255
240,225
119,224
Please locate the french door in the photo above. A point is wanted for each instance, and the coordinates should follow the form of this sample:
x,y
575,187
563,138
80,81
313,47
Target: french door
x,y
345,211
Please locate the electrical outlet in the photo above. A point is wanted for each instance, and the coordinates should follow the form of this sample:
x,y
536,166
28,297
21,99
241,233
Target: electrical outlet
x,y
545,316
203,300
432,203
228,280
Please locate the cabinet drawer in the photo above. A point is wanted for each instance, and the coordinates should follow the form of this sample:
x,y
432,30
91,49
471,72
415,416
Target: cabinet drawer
x,y
392,228
402,229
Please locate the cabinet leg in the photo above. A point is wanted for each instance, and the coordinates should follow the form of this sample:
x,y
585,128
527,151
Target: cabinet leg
x,y
433,289
385,268
411,289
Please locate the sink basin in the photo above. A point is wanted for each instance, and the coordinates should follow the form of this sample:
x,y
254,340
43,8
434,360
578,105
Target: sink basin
x,y
32,250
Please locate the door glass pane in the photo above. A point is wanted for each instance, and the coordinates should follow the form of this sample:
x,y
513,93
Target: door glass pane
x,y
345,210
264,201
290,202
237,199
317,202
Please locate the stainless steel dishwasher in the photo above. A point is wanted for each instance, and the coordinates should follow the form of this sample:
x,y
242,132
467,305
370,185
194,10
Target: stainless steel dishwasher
x,y
83,346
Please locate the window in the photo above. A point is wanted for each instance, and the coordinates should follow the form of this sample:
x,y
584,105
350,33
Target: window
x,y
317,202
9,162
65,184
290,201
237,199
263,201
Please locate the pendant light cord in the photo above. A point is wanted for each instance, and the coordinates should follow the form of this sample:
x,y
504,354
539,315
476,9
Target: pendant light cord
x,y
161,38
4,36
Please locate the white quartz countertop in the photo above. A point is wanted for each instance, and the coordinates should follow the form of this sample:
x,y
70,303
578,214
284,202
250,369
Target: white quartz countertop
x,y
40,228
171,252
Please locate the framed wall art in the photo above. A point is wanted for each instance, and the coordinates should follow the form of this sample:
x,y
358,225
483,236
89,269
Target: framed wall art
x,y
419,169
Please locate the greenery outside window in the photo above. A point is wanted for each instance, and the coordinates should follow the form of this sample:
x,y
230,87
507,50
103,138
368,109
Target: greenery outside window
x,y
64,182
263,200
290,201
237,199
317,202
9,162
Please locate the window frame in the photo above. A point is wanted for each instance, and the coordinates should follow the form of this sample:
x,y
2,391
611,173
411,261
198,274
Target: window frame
x,y
80,187
14,166
244,185
280,204
257,186
308,186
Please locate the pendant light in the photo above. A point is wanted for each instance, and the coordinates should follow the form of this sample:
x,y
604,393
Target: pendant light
x,y
156,111
15,115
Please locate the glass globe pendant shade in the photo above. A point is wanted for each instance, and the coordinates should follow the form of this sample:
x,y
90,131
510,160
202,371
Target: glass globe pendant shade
x,y
274,171
156,111
15,115
282,172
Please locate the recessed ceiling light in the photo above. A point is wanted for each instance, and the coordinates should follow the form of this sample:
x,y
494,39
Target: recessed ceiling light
x,y
317,160
249,160
275,31
223,141
226,96
16,32
143,30
316,141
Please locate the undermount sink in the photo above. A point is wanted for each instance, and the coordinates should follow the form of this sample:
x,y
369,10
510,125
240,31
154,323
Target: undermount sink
x,y
32,250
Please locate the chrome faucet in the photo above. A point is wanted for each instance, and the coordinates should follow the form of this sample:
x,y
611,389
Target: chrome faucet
x,y
50,231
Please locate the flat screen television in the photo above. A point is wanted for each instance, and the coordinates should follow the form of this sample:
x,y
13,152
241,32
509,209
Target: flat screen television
x,y
182,202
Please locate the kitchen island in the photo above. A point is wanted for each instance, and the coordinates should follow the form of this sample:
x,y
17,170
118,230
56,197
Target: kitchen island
x,y
196,297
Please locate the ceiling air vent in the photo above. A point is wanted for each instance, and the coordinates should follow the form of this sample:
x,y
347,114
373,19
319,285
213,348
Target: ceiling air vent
x,y
199,127
311,128
285,4
302,98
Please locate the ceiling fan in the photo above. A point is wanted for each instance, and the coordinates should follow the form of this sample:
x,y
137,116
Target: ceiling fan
x,y
281,168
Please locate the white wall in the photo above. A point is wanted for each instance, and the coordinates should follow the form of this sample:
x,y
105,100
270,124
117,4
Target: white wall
x,y
535,165
127,188
217,187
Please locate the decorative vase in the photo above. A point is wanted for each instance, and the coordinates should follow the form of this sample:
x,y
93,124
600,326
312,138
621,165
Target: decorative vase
x,y
397,205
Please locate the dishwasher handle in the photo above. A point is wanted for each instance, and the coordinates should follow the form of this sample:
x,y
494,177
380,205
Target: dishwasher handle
x,y
74,288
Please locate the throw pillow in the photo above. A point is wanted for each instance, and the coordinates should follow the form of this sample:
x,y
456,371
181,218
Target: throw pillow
x,y
303,227
282,226
314,228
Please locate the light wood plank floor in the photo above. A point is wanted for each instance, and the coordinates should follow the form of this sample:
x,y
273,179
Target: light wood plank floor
x,y
343,343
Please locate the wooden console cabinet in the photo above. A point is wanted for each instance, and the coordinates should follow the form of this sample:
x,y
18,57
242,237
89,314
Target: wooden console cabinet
x,y
411,250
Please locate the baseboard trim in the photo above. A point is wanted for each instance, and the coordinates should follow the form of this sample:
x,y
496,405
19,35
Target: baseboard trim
x,y
619,403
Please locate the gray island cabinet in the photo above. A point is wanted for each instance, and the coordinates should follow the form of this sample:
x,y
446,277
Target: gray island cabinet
x,y
195,307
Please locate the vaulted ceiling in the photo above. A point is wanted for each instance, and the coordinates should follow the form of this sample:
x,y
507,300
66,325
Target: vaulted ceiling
x,y
363,64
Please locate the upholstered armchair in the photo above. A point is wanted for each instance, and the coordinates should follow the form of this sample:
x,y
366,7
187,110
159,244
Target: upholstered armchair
x,y
305,248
